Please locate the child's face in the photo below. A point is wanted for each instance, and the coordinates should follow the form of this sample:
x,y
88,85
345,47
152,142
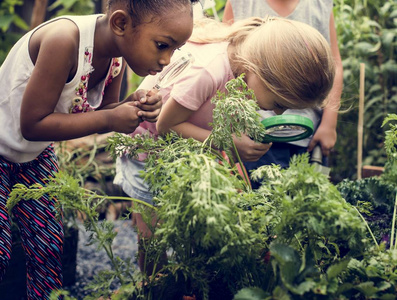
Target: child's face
x,y
265,98
149,47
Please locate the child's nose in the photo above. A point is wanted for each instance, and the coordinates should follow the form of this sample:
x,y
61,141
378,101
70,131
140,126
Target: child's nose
x,y
165,60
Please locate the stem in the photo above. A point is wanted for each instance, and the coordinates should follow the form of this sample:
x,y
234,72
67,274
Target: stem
x,y
122,198
208,143
393,224
299,243
90,158
129,199
246,179
108,248
369,229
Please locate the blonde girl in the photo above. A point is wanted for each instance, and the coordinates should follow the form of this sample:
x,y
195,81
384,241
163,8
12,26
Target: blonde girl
x,y
319,14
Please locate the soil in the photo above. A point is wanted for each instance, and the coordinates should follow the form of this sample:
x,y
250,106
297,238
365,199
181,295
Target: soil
x,y
90,261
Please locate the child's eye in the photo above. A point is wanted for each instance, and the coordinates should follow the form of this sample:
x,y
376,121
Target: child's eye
x,y
162,46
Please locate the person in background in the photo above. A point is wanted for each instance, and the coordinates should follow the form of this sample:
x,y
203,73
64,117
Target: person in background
x,y
318,14
288,64
60,81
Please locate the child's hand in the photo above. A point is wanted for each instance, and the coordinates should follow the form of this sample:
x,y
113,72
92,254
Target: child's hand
x,y
248,149
149,103
124,118
326,137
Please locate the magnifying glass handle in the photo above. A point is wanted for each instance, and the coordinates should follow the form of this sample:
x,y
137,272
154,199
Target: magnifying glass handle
x,y
172,72
267,139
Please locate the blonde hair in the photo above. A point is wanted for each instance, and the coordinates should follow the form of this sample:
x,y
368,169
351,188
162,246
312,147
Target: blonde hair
x,y
292,59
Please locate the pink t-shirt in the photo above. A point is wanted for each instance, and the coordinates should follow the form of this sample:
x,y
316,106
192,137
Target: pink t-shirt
x,y
197,85
194,90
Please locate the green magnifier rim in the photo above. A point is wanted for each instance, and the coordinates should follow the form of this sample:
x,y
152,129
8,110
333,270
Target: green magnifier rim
x,y
288,120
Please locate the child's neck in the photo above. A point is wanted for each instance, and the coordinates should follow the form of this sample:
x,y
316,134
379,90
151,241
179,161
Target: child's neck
x,y
283,7
103,49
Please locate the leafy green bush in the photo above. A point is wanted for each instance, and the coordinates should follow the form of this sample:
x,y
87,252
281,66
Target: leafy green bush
x,y
8,18
367,33
295,237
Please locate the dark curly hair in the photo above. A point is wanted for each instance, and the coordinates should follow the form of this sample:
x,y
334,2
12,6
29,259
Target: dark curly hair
x,y
139,9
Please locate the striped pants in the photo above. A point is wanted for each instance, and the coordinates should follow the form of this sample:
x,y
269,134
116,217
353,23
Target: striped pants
x,y
41,232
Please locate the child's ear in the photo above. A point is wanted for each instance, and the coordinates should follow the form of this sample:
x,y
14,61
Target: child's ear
x,y
118,22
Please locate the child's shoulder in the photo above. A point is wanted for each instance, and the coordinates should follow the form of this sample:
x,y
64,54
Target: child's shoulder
x,y
64,29
59,38
61,32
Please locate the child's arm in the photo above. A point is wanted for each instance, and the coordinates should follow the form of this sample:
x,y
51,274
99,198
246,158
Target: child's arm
x,y
54,61
325,134
174,116
149,102
228,16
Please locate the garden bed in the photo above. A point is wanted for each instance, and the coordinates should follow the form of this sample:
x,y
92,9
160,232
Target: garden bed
x,y
90,261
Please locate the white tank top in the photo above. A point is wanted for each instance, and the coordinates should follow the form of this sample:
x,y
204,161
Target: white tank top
x,y
15,73
313,12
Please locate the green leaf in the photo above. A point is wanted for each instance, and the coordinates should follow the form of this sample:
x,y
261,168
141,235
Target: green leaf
x,y
374,119
367,288
389,66
65,3
336,269
384,285
253,293
288,259
388,37
304,287
393,14
366,48
373,23
388,297
375,88
5,22
280,294
373,102
385,8
19,22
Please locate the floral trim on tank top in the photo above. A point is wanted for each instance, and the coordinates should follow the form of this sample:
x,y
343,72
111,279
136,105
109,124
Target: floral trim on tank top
x,y
80,102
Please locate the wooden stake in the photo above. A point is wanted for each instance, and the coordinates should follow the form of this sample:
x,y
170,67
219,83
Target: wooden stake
x,y
360,122
38,14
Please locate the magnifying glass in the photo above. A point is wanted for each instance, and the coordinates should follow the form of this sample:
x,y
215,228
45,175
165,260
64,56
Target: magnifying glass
x,y
287,128
171,73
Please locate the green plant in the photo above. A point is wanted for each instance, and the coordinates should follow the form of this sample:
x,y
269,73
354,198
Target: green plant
x,y
13,26
375,196
196,195
294,238
73,198
391,149
9,17
72,7
82,162
301,269
367,33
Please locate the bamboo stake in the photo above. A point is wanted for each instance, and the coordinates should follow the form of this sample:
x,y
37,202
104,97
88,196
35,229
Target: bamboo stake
x,y
38,14
360,122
